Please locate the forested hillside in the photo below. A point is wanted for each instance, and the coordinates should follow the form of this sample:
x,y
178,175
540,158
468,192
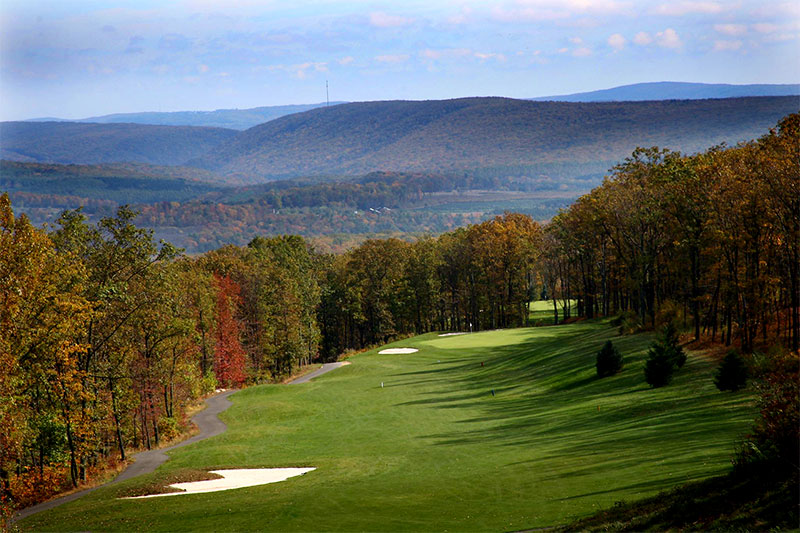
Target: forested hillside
x,y
236,119
67,142
487,136
105,337
672,90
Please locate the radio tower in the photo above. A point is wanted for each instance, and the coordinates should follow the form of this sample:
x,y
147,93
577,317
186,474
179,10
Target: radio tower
x,y
327,98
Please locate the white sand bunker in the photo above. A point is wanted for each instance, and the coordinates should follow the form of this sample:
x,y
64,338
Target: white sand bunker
x,y
451,334
398,350
232,479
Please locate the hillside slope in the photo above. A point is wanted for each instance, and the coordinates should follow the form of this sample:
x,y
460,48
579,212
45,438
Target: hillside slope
x,y
237,119
67,142
487,135
494,431
673,90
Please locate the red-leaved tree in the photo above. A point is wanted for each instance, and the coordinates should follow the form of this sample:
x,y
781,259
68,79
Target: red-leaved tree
x,y
229,357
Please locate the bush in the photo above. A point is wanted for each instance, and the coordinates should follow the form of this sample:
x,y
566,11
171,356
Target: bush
x,y
670,340
627,322
668,311
732,373
664,357
773,445
609,361
659,367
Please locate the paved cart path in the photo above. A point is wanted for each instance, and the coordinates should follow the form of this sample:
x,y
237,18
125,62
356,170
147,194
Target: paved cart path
x,y
327,367
208,424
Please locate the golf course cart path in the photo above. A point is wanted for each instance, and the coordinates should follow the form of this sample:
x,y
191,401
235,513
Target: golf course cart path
x,y
208,424
327,367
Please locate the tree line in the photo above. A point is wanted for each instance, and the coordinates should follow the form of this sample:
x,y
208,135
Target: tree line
x,y
107,336
712,236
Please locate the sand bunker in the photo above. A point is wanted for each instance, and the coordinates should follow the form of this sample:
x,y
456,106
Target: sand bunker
x,y
398,350
232,479
451,334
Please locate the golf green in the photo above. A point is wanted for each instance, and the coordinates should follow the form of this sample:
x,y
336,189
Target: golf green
x,y
499,430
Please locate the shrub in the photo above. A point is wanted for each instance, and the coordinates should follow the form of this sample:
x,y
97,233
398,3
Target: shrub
x,y
609,360
774,442
732,373
670,340
659,367
668,311
627,322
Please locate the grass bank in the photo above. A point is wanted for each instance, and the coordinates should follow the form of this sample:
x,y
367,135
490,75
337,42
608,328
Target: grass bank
x,y
435,449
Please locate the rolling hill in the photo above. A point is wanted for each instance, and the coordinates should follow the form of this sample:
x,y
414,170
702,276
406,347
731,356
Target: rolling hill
x,y
673,90
68,142
237,119
502,430
495,136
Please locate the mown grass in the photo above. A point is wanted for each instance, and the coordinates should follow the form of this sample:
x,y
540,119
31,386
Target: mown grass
x,y
541,311
434,449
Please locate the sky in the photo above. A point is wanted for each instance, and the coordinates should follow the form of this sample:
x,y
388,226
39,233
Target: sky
x,y
82,58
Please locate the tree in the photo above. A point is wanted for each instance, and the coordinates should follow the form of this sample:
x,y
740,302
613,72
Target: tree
x,y
609,360
659,367
671,342
732,373
229,356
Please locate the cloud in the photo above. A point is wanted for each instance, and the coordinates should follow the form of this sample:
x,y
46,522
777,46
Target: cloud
x,y
582,52
445,53
576,40
679,9
765,27
461,18
380,19
483,56
346,60
617,42
392,58
642,38
203,69
668,39
731,29
174,42
535,10
301,70
727,46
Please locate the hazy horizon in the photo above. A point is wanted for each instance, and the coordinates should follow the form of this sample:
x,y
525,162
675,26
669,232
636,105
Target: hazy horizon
x,y
76,59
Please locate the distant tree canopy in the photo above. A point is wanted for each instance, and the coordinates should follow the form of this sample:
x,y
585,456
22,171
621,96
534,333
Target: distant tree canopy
x,y
718,233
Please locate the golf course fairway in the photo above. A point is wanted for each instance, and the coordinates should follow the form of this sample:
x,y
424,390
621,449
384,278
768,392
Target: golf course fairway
x,y
493,431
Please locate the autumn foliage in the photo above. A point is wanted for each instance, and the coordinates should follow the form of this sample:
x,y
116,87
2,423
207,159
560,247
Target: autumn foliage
x,y
229,356
106,337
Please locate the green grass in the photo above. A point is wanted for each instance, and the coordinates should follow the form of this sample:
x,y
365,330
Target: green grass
x,y
541,311
434,450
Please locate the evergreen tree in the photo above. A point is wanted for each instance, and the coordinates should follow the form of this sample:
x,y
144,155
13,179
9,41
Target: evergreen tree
x,y
732,373
659,367
609,360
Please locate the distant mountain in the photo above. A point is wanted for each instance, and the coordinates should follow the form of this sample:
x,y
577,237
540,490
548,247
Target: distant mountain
x,y
67,186
670,90
237,119
70,142
494,136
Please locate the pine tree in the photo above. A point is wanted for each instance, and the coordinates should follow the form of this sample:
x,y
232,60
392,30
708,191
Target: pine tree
x,y
609,360
732,373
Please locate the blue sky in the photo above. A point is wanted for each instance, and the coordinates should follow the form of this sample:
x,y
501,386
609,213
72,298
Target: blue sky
x,y
76,59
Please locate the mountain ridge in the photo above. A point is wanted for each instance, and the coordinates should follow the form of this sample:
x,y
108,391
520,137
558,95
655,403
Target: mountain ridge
x,y
672,90
85,143
485,135
236,119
